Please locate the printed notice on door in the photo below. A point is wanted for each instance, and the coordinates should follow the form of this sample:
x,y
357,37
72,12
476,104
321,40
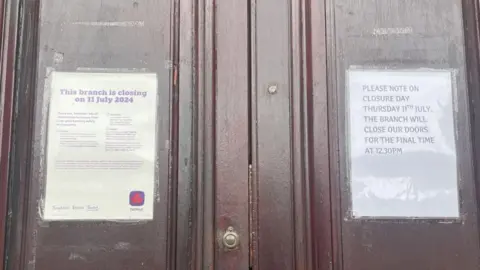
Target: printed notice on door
x,y
101,146
403,160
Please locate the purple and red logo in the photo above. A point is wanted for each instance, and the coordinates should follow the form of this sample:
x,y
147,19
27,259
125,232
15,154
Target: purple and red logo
x,y
137,198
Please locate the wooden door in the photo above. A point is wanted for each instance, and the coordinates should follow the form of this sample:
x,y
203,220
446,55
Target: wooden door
x,y
404,35
198,51
85,37
251,132
306,208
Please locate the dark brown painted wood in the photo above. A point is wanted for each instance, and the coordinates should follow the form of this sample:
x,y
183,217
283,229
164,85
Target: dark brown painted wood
x,y
290,138
272,125
231,130
8,22
21,143
203,159
437,41
184,81
205,258
205,233
60,44
216,61
471,11
318,136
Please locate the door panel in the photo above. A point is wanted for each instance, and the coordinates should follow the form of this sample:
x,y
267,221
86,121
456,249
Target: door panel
x,y
272,161
231,131
202,158
289,135
89,36
400,35
213,70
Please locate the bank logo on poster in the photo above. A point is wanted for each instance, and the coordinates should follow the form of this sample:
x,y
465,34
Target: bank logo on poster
x,y
137,198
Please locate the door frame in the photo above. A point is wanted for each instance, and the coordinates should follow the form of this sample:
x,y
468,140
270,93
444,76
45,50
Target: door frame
x,y
8,27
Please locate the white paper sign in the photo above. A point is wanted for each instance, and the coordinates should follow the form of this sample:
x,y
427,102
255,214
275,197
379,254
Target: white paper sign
x,y
101,146
401,131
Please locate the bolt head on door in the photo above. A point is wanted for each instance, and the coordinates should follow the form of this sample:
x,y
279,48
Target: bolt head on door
x,y
272,89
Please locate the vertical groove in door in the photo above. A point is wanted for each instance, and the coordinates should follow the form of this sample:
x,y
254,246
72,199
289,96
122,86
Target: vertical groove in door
x,y
185,81
253,135
207,84
333,150
6,95
318,136
8,53
252,188
20,244
204,74
172,239
472,37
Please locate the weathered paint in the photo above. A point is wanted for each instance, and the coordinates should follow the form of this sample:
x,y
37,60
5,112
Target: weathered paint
x,y
217,60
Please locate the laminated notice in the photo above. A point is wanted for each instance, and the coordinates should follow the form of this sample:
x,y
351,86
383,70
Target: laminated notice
x,y
101,146
402,143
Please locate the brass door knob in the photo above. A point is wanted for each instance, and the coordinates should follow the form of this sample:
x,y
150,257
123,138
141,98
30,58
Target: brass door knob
x,y
230,238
